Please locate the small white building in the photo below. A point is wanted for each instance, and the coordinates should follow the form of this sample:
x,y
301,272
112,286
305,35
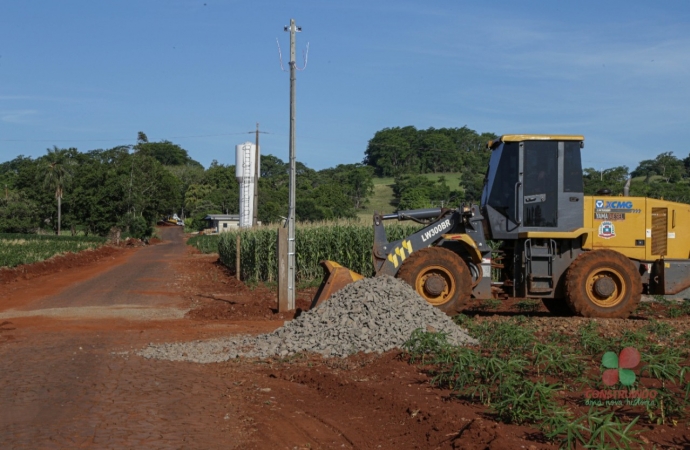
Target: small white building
x,y
222,222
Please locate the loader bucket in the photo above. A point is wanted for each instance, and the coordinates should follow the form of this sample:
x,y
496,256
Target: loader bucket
x,y
335,277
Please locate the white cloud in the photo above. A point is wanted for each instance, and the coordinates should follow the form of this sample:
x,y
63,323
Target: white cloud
x,y
21,116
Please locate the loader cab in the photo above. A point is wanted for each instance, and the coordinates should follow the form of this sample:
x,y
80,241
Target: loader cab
x,y
534,183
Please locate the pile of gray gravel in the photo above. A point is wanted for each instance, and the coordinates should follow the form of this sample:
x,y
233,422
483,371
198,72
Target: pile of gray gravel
x,y
371,315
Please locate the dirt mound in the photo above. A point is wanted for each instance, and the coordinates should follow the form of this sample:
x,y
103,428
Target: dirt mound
x,y
57,263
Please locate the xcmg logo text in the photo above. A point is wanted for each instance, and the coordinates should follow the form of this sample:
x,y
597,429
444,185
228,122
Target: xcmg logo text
x,y
601,204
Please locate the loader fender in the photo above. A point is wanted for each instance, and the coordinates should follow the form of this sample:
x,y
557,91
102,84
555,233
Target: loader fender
x,y
469,243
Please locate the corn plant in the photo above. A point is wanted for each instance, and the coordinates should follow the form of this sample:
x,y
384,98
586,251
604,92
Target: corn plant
x,y
511,336
558,338
630,338
528,305
590,340
489,304
16,249
347,243
660,329
643,308
664,364
553,360
521,401
422,343
205,243
596,429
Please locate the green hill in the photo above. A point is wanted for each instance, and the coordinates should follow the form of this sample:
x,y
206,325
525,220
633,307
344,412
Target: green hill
x,y
383,200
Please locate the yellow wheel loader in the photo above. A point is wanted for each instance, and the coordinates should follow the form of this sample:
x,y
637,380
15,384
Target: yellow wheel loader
x,y
588,255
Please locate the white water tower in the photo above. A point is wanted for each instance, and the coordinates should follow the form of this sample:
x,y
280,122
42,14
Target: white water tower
x,y
245,171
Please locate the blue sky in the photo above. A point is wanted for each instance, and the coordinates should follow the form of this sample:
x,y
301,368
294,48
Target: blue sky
x,y
91,74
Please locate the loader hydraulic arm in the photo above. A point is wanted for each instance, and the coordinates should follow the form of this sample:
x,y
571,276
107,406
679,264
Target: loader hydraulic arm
x,y
388,256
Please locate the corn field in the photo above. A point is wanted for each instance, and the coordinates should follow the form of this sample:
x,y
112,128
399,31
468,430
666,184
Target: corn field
x,y
16,249
349,244
205,243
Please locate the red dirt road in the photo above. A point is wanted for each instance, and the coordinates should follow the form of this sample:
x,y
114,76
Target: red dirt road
x,y
66,383
71,379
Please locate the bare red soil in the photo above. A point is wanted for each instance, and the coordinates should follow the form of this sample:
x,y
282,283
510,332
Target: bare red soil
x,y
72,381
59,263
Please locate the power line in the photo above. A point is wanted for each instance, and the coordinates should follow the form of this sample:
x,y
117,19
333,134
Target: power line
x,y
127,139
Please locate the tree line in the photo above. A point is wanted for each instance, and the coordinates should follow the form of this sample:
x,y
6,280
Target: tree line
x,y
666,176
131,187
407,154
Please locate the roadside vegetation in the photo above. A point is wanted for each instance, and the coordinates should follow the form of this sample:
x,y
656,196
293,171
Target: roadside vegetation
x,y
553,381
16,249
348,243
206,243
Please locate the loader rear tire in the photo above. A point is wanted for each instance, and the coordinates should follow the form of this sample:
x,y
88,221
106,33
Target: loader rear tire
x,y
603,283
439,276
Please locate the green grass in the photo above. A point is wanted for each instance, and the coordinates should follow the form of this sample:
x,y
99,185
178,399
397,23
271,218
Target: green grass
x,y
641,179
205,243
16,249
383,200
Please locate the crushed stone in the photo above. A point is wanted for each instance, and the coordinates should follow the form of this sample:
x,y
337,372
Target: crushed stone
x,y
370,315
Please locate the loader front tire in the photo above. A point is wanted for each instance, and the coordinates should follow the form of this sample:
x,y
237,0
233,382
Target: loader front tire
x,y
439,276
603,283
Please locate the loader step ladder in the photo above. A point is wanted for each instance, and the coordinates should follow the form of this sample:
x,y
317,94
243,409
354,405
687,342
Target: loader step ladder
x,y
539,266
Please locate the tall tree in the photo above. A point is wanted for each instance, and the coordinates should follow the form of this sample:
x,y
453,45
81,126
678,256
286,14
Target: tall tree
x,y
17,214
165,152
355,180
613,179
56,175
665,165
